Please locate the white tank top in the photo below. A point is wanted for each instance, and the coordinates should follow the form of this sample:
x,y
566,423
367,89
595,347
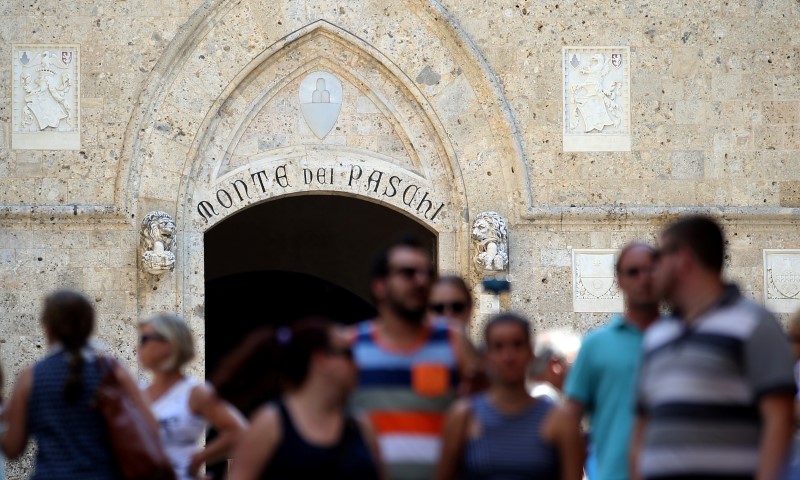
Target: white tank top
x,y
180,429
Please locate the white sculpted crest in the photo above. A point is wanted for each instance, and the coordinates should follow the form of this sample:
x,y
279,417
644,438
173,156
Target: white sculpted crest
x,y
320,102
158,242
782,280
594,105
490,235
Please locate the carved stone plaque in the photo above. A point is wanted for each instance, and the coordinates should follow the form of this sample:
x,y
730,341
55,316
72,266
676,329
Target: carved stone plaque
x,y
45,97
320,102
489,304
594,283
597,115
782,280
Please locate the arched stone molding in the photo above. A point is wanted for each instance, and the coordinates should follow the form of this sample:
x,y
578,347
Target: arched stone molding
x,y
226,68
229,33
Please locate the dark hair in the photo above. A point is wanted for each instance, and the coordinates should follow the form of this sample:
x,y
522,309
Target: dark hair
x,y
69,317
380,262
459,283
704,238
627,248
269,360
508,318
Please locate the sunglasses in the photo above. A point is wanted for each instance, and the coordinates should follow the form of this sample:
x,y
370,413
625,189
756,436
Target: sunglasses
x,y
634,272
144,338
344,352
410,273
455,307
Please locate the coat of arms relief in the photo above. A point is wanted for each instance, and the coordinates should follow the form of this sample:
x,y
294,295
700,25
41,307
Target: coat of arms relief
x,y
46,98
594,281
596,98
782,280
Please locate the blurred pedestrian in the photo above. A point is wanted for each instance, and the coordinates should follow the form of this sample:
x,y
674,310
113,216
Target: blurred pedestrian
x,y
409,368
716,386
450,298
602,382
52,400
307,433
504,432
554,353
183,405
3,425
793,469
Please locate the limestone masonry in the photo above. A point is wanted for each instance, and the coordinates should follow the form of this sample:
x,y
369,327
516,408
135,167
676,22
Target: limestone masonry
x,y
581,125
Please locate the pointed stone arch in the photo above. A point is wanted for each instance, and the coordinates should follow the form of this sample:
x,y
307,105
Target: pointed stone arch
x,y
182,150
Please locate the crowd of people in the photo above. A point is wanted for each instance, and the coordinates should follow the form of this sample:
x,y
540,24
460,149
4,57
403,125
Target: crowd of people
x,y
705,392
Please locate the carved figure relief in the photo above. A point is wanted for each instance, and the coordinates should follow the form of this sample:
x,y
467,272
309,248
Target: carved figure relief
x,y
157,242
46,94
594,107
46,104
320,102
594,281
490,235
782,280
596,99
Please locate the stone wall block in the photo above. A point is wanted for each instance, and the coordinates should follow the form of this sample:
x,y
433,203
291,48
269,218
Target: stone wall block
x,y
789,194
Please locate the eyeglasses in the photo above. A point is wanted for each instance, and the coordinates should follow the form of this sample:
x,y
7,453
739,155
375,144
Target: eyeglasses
x,y
634,272
344,352
455,307
146,337
410,273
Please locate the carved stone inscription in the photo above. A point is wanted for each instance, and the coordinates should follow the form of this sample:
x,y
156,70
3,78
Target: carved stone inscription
x,y
596,99
782,280
46,97
406,192
594,283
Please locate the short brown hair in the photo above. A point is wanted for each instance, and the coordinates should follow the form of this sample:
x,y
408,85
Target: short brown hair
x,y
703,236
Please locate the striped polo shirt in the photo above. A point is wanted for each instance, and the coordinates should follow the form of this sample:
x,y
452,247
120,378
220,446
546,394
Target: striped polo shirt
x,y
405,394
700,386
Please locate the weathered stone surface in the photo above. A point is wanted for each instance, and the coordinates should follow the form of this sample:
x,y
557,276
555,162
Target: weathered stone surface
x,y
184,102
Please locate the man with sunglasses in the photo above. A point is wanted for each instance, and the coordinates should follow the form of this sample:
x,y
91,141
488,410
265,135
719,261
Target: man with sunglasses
x,y
602,381
716,385
409,368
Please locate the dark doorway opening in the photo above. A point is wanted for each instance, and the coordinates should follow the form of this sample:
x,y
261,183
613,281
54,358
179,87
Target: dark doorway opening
x,y
284,259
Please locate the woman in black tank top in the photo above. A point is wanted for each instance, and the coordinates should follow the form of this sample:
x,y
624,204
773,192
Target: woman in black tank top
x,y
307,433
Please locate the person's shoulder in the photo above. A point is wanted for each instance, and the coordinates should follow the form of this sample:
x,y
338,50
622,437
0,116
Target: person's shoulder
x,y
356,330
602,332
462,407
661,331
267,416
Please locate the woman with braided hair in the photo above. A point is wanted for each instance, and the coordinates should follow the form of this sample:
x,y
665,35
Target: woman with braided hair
x,y
52,400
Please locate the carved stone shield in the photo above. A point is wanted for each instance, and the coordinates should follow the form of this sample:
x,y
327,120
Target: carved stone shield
x,y
784,276
66,57
616,59
320,102
596,274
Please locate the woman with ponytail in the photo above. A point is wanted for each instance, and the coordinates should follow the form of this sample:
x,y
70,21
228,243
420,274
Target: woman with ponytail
x,y
52,400
306,433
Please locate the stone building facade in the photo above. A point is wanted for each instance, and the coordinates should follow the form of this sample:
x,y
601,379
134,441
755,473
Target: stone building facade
x,y
438,110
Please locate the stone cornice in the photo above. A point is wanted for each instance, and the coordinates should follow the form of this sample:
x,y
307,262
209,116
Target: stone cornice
x,y
658,215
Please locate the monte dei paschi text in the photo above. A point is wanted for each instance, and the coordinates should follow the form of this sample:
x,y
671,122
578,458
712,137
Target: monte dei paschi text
x,y
373,182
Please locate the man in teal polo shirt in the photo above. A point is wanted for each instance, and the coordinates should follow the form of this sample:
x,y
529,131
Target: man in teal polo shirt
x,y
602,381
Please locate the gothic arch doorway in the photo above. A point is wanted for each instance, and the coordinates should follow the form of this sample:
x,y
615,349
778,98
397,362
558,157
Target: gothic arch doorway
x,y
291,257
